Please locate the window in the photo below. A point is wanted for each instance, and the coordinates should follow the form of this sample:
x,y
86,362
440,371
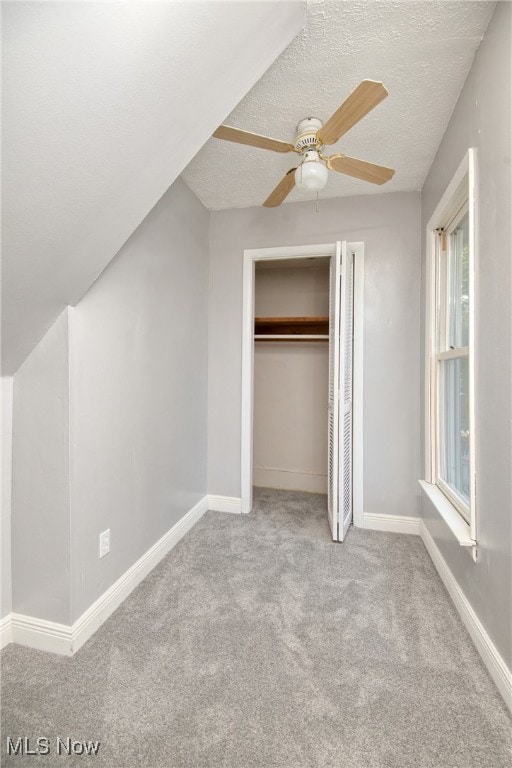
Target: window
x,y
451,361
450,387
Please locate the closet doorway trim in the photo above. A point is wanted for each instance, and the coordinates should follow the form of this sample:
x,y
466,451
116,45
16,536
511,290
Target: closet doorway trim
x,y
251,256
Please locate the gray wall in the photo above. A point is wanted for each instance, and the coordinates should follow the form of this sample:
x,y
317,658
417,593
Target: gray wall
x,y
40,491
139,393
482,119
390,227
110,417
5,518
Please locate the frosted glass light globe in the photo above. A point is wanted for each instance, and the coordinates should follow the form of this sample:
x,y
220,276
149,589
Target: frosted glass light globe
x,y
312,173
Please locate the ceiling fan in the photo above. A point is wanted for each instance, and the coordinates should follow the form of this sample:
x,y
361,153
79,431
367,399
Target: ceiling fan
x,y
312,136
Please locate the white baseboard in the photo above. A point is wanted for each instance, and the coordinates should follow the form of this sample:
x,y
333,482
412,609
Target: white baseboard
x,y
42,635
494,662
6,630
392,523
66,640
287,480
225,504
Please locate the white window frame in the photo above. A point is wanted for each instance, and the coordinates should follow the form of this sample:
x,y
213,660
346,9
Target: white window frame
x,y
459,198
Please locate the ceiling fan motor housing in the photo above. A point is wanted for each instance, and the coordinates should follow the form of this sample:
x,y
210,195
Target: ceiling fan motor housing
x,y
307,130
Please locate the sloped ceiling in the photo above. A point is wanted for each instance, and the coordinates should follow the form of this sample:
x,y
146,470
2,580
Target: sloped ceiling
x,y
422,51
104,104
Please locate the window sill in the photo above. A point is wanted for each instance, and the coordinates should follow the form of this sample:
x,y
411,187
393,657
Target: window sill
x,y
452,518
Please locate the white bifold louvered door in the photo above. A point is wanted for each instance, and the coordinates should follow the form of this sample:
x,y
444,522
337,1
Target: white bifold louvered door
x,y
334,386
346,375
341,312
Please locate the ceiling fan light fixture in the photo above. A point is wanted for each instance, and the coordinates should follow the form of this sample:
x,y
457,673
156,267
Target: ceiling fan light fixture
x,y
312,135
312,173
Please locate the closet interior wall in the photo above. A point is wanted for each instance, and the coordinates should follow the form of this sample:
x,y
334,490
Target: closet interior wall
x,y
291,380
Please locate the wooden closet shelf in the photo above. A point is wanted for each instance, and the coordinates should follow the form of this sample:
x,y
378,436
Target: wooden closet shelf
x,y
310,327
266,338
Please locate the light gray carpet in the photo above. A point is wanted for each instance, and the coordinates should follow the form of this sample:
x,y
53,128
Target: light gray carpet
x,y
259,643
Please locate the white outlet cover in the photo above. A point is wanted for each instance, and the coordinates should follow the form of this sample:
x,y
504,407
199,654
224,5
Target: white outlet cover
x,y
105,543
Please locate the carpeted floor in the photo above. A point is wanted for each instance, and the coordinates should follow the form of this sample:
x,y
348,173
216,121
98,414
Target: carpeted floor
x,y
260,643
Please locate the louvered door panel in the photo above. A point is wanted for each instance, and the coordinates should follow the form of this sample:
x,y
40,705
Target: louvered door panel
x,y
346,369
334,386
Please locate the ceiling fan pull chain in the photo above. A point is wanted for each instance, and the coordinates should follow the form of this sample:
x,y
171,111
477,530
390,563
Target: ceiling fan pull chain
x,y
317,201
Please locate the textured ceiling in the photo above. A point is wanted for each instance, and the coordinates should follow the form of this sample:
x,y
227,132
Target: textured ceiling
x,y
96,97
421,51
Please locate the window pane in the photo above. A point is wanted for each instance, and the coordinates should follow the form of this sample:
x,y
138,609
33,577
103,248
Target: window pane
x,y
454,425
458,285
440,288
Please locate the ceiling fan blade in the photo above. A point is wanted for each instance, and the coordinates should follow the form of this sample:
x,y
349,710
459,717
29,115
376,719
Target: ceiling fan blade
x,y
228,133
366,96
283,189
377,174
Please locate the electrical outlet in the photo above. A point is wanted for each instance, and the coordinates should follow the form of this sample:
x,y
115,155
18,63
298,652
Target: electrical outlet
x,y
105,543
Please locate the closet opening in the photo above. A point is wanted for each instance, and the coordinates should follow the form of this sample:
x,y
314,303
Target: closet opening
x,y
302,376
291,374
